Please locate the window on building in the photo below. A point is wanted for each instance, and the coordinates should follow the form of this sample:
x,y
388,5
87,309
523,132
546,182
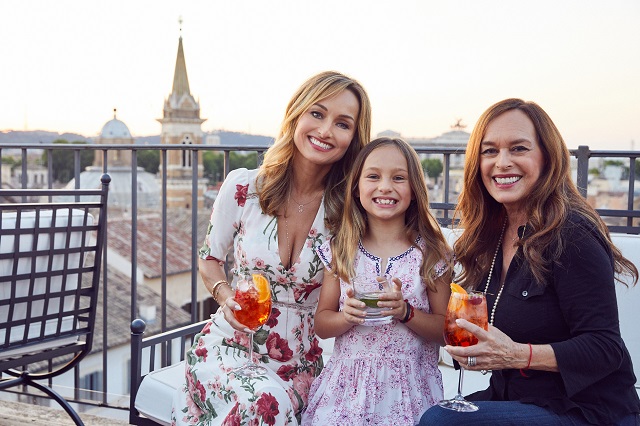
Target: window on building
x,y
91,386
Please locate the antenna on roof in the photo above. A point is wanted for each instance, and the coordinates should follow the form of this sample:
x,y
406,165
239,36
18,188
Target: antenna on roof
x,y
458,125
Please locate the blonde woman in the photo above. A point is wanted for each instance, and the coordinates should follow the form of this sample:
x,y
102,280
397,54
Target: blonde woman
x,y
273,218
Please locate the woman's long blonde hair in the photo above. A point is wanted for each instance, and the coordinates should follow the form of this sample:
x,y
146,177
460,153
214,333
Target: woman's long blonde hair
x,y
551,201
275,175
418,217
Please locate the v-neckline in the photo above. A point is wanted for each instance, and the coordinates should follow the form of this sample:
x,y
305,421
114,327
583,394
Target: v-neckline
x,y
299,255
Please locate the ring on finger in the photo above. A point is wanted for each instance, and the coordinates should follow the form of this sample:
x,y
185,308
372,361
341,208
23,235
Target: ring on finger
x,y
471,361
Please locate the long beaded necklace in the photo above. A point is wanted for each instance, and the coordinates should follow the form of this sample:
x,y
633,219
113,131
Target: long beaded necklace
x,y
493,263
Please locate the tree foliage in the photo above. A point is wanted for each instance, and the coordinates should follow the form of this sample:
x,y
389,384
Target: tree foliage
x,y
213,163
433,167
149,160
63,163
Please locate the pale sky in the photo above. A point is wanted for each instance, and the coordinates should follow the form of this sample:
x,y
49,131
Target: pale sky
x,y
67,63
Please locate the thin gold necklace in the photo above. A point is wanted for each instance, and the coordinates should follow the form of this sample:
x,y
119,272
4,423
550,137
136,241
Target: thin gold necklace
x,y
301,205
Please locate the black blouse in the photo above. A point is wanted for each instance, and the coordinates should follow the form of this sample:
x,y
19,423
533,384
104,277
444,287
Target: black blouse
x,y
577,313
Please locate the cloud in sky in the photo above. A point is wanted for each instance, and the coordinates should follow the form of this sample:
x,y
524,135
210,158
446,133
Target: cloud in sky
x,y
68,63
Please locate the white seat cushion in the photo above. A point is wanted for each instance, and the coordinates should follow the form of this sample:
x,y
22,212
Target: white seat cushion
x,y
7,245
155,394
629,300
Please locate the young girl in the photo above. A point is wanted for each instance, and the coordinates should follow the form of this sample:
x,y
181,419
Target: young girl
x,y
383,374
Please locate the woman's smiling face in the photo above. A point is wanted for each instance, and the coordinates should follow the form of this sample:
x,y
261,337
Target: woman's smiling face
x,y
325,131
511,159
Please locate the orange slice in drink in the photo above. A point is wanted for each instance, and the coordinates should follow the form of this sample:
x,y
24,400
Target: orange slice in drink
x,y
456,288
262,285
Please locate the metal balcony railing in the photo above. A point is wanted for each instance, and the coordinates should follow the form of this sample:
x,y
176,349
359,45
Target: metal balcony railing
x,y
443,198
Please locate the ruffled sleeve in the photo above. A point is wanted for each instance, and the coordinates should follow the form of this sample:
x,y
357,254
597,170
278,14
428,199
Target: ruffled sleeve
x,y
226,215
324,253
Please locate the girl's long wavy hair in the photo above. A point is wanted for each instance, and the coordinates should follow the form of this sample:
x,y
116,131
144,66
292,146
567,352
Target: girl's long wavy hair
x,y
549,204
418,217
275,175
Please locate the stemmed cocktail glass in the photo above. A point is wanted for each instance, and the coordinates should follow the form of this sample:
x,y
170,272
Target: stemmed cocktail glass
x,y
471,306
253,294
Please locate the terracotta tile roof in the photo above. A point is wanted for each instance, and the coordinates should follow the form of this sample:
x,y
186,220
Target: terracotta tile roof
x,y
119,311
149,241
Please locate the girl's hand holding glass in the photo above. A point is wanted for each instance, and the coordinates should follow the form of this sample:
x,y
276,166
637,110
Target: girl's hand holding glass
x,y
374,297
393,301
353,309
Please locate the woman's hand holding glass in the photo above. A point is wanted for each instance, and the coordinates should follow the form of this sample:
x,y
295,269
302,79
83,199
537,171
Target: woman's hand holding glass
x,y
228,308
494,350
253,294
473,308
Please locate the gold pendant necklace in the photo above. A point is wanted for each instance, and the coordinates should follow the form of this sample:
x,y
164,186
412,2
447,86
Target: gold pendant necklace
x,y
301,205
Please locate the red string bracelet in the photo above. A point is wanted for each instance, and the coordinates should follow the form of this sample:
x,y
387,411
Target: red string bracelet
x,y
528,363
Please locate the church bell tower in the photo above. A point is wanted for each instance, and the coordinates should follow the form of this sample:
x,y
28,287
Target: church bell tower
x,y
181,125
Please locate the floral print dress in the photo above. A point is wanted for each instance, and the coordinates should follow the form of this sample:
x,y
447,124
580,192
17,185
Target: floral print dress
x,y
287,344
379,375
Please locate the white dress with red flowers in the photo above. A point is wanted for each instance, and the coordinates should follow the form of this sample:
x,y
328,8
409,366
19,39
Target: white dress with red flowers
x,y
287,344
379,375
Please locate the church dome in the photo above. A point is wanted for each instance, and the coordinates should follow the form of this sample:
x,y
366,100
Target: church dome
x,y
115,129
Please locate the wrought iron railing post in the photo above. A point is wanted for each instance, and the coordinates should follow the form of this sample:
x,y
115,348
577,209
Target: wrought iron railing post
x,y
582,179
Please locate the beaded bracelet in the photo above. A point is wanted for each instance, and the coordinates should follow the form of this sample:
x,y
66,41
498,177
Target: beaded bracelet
x,y
409,315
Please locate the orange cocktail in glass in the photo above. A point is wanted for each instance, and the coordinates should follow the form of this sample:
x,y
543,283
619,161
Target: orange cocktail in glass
x,y
253,294
255,307
471,306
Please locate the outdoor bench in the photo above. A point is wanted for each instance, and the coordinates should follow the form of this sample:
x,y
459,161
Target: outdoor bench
x,y
152,389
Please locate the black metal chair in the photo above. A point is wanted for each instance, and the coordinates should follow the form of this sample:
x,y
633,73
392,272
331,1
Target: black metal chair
x,y
50,259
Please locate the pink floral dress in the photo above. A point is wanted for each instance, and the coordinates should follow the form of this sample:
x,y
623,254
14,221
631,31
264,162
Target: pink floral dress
x,y
379,375
287,344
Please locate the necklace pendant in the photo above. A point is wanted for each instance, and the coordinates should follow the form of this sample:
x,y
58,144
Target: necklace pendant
x,y
300,208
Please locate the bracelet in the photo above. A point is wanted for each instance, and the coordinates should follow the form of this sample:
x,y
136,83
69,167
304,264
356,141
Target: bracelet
x,y
216,288
528,363
409,315
215,295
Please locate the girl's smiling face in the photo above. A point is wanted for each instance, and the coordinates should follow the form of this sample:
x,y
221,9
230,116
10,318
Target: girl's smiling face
x,y
383,187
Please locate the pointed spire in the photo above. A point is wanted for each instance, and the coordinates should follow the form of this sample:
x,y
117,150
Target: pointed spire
x,y
180,80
